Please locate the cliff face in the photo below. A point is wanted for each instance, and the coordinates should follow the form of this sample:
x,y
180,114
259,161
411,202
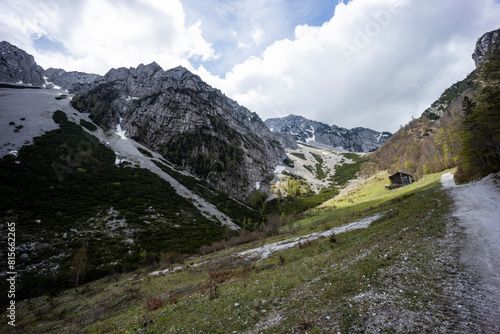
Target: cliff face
x,y
484,45
19,67
305,130
74,82
190,123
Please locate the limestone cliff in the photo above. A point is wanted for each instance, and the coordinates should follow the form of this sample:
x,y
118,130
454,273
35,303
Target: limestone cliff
x,y
19,67
484,44
190,123
313,132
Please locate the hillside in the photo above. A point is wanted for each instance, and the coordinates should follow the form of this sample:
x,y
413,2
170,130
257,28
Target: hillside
x,y
68,184
459,129
431,142
405,277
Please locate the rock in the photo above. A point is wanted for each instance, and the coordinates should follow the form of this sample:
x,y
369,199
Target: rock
x,y
191,124
484,45
308,131
19,67
75,82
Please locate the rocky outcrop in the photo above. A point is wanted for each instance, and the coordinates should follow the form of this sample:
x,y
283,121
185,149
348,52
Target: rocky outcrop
x,y
19,67
308,131
484,45
191,124
75,82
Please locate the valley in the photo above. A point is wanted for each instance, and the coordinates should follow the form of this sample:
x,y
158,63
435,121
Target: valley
x,y
147,201
392,275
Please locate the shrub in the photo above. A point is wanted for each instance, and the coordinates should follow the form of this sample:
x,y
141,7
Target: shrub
x,y
171,257
154,303
215,279
88,125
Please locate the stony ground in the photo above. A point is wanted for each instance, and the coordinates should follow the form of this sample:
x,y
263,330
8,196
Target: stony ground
x,y
477,215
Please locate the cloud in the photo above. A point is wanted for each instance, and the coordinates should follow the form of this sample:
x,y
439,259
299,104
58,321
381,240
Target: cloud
x,y
372,63
104,34
240,29
375,63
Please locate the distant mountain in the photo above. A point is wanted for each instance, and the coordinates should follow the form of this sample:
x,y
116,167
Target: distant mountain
x,y
191,124
71,81
305,130
19,67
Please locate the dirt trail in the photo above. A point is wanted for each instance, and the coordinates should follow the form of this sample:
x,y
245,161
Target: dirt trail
x,y
477,207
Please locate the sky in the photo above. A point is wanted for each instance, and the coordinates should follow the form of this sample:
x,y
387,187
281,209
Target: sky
x,y
369,63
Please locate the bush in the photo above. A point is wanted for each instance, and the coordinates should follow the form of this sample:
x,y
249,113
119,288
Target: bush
x,y
154,303
89,126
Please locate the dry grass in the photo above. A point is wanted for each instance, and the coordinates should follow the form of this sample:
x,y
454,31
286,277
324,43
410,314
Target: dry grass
x,y
243,238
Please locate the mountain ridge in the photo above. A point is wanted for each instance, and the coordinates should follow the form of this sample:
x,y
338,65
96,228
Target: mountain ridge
x,y
193,125
18,67
303,130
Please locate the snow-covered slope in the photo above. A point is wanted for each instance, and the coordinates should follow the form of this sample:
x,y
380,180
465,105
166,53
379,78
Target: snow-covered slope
x,y
33,109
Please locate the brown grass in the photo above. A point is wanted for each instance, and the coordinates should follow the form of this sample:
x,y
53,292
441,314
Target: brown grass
x,y
243,238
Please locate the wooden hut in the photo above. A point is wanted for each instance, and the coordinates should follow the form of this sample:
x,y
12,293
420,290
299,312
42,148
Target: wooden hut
x,y
400,180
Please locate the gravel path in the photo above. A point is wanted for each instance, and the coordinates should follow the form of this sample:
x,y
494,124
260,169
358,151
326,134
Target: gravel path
x,y
477,208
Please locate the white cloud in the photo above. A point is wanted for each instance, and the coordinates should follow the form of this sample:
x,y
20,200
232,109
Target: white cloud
x,y
105,34
376,63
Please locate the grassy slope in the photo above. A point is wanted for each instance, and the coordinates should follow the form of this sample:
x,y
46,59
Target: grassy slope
x,y
339,285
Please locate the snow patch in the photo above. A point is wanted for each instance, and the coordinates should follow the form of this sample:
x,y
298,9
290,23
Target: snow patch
x,y
172,270
265,251
14,153
130,98
257,185
312,138
118,159
279,169
119,130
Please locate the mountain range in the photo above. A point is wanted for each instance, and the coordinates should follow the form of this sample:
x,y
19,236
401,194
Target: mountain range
x,y
320,134
173,112
143,161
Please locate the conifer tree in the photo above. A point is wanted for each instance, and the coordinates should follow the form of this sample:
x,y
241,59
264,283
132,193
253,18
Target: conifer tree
x,y
480,153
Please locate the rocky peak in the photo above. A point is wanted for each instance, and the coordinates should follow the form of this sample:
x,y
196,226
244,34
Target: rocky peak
x,y
484,45
72,81
190,123
19,67
313,132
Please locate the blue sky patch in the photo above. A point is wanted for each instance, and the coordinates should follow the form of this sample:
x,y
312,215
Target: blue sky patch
x,y
45,44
